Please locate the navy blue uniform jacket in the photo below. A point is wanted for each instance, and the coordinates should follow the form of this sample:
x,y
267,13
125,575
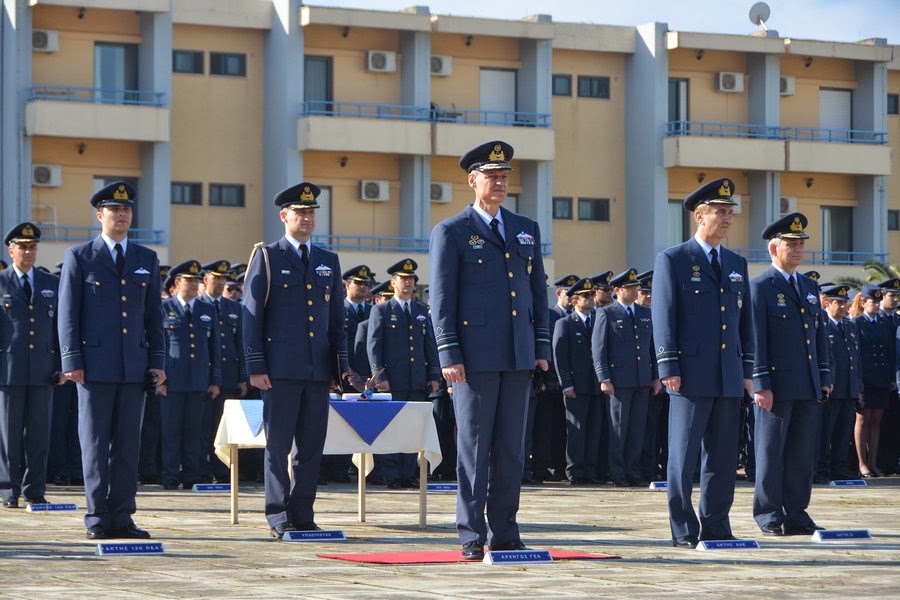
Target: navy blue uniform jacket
x,y
193,354
405,350
845,361
624,353
572,355
29,350
488,302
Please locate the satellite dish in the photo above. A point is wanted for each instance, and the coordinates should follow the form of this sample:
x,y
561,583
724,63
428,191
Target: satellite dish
x,y
759,14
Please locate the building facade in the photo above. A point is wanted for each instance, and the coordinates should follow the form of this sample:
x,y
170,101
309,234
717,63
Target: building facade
x,y
211,107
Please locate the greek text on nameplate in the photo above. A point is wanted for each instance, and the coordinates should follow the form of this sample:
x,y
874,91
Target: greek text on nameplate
x,y
516,557
659,485
443,487
841,535
211,487
849,483
330,535
129,548
728,545
51,507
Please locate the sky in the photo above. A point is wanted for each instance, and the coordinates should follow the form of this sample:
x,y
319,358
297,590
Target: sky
x,y
830,20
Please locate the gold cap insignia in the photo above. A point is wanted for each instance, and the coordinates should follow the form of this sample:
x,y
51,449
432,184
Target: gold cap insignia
x,y
897,284
28,231
364,272
306,195
497,153
408,266
842,292
121,193
632,276
194,268
796,225
587,285
725,189
223,267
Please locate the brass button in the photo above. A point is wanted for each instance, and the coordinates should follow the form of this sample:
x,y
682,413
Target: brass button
x,y
480,261
724,326
513,293
193,355
723,346
30,307
31,346
506,255
809,356
465,322
411,348
191,334
311,318
510,274
696,291
806,326
411,359
123,282
722,308
515,312
31,332
721,290
284,285
31,320
193,345
124,330
309,286
802,310
309,302
808,342
312,334
124,298
124,314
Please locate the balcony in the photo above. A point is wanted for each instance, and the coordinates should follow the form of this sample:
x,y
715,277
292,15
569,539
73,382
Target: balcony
x,y
363,243
408,129
74,235
776,148
816,257
95,113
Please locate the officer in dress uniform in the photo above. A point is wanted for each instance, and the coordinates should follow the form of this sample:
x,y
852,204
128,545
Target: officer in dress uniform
x,y
703,331
194,369
111,340
625,366
380,293
563,304
234,375
790,374
294,335
403,359
29,368
889,446
489,309
602,290
580,388
838,411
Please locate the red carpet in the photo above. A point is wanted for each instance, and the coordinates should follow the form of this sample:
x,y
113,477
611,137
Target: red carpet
x,y
421,558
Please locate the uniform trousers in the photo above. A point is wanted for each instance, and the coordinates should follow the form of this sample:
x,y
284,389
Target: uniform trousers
x,y
704,428
584,419
150,462
24,439
491,411
838,417
294,412
181,414
785,453
109,426
627,424
64,460
400,466
654,451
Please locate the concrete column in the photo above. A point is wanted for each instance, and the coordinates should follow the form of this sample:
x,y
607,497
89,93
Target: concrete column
x,y
15,81
764,189
282,161
870,113
646,114
536,178
415,171
155,71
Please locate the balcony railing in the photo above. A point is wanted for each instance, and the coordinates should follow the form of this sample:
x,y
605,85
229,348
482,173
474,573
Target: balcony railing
x,y
68,233
365,243
405,112
771,132
97,95
816,257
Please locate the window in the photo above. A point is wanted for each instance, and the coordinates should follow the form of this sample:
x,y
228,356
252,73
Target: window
x,y
593,209
562,85
225,63
317,84
837,233
679,228
893,104
893,220
593,87
678,105
226,194
187,61
187,193
116,73
562,207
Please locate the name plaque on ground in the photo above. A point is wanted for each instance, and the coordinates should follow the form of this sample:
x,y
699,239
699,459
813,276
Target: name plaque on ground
x,y
841,535
443,487
516,557
659,485
728,545
211,487
330,535
50,507
848,483
119,548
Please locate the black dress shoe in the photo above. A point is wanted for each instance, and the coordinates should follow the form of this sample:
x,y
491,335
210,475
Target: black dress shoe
x,y
688,541
531,481
727,537
410,484
308,526
509,546
802,529
170,485
132,532
620,483
773,528
395,485
473,551
11,502
97,532
37,500
278,530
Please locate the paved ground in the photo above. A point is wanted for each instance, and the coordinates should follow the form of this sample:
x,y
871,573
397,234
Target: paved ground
x,y
46,555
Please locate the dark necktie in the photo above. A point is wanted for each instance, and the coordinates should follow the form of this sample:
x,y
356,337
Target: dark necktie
x,y
793,281
120,258
406,310
187,312
304,255
495,227
26,287
360,312
216,302
587,323
630,314
714,261
841,327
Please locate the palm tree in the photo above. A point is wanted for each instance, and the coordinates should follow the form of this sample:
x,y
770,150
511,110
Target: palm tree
x,y
876,271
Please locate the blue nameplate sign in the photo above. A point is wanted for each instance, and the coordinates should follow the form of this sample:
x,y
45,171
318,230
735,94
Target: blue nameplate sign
x,y
728,545
659,485
516,557
841,535
443,487
848,483
49,507
109,548
314,536
211,487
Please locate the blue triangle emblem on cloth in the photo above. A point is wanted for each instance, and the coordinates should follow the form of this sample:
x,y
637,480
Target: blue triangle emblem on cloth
x,y
369,422
253,412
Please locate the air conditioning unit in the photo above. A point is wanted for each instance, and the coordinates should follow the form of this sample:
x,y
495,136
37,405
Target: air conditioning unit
x,y
381,61
441,193
788,205
787,85
738,207
46,175
730,82
371,190
44,40
442,66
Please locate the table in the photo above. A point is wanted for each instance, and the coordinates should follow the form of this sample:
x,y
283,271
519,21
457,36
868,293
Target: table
x,y
360,428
